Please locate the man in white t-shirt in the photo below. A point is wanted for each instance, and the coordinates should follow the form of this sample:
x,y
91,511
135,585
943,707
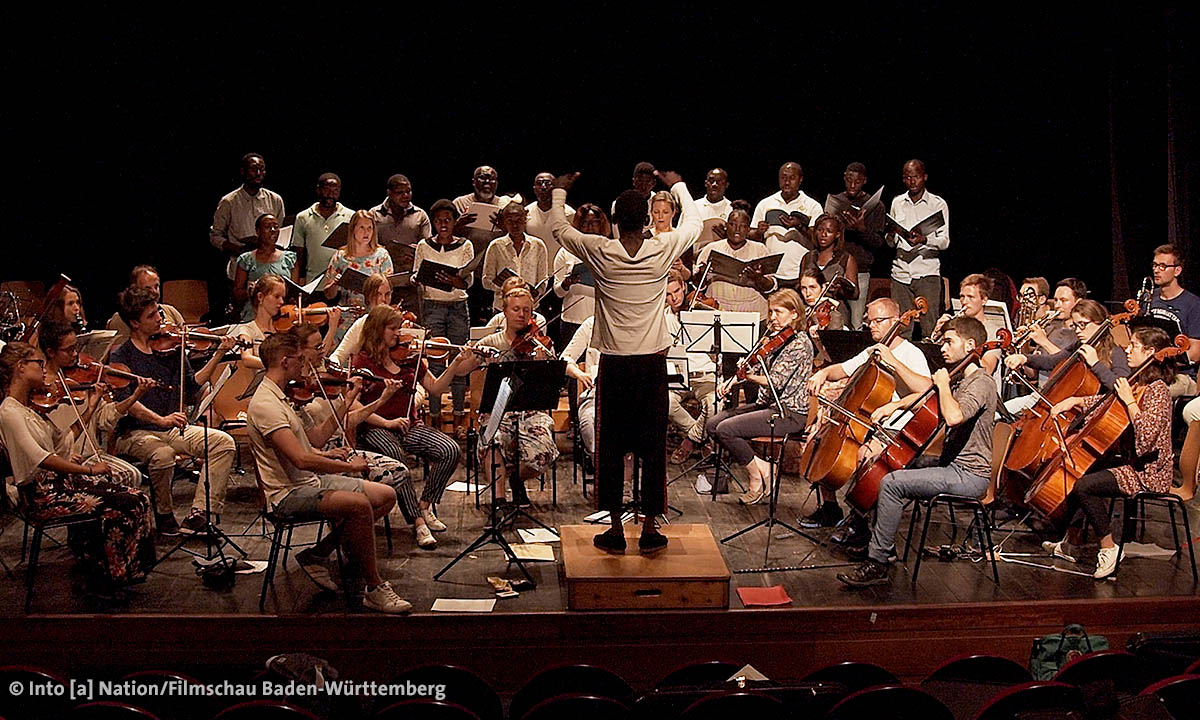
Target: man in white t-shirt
x,y
789,199
911,374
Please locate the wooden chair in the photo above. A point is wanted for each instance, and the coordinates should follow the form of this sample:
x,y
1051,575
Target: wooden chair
x,y
190,298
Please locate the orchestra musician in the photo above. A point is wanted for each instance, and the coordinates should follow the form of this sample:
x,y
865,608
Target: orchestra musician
x,y
973,294
1054,341
156,428
116,551
266,297
326,416
67,309
1171,301
1148,403
145,276
377,291
631,335
908,367
445,312
812,286
1037,289
303,484
702,383
968,407
395,427
266,258
96,417
498,322
526,438
789,369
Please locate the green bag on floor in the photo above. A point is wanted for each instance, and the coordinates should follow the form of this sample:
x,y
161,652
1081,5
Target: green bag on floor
x,y
1053,651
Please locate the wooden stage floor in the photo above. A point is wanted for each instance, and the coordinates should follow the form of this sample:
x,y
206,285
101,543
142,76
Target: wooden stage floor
x,y
955,607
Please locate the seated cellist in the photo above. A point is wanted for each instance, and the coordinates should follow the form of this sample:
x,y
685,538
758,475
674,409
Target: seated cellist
x,y
968,407
1148,402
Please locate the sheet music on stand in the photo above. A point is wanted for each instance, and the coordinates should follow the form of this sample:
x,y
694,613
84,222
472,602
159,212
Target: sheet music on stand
x,y
677,369
497,414
96,343
739,331
212,393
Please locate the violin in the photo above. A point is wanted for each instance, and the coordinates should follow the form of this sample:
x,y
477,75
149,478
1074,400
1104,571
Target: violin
x,y
315,314
835,446
170,336
911,440
1088,438
530,339
87,371
697,298
330,383
435,348
820,312
53,394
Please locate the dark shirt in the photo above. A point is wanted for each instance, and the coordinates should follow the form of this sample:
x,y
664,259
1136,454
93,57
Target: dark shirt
x,y
1063,338
863,244
163,368
969,444
1184,311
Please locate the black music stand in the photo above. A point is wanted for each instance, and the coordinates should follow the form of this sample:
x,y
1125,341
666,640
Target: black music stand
x,y
512,386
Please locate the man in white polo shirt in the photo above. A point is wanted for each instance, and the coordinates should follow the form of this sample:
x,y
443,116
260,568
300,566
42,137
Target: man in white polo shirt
x,y
632,337
778,240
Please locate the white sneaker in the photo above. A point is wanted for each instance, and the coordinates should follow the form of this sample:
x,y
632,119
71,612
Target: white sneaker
x,y
425,538
384,599
703,486
1106,562
1060,549
432,522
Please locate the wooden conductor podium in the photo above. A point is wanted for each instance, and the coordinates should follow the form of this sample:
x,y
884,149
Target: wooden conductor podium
x,y
689,573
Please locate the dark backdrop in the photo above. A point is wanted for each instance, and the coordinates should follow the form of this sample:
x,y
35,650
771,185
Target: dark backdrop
x,y
122,133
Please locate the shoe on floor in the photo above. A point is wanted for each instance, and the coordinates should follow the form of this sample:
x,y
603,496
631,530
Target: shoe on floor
x,y
611,540
382,598
703,486
1060,549
828,515
650,542
854,532
1106,562
432,522
859,552
520,498
425,538
195,523
316,569
167,525
682,453
865,575
750,497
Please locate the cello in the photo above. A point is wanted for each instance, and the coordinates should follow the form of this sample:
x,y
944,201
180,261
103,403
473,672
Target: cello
x,y
1033,434
1088,438
911,440
835,447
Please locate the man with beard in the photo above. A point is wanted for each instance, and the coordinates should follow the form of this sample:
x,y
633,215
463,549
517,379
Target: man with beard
x,y
315,224
400,225
233,230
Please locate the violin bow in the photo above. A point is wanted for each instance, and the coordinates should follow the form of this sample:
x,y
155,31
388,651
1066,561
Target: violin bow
x,y
341,425
87,436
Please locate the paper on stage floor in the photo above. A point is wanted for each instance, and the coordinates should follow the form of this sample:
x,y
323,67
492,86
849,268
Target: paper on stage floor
x,y
460,486
764,596
457,605
533,553
537,535
603,517
1147,550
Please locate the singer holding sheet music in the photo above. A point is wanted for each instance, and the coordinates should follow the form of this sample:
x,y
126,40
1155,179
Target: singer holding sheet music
x,y
362,253
266,258
631,335
444,310
155,430
917,269
518,252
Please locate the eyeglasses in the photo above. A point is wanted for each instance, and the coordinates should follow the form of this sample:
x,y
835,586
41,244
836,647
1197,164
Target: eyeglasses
x,y
876,321
1163,266
39,361
1078,325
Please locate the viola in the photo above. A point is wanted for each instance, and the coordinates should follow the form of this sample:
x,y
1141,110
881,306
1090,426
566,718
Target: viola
x,y
1033,436
835,454
51,395
330,383
911,440
170,336
316,314
1087,439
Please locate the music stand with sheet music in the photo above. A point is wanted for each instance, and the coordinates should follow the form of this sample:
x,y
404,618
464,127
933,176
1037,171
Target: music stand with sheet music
x,y
717,332
521,385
